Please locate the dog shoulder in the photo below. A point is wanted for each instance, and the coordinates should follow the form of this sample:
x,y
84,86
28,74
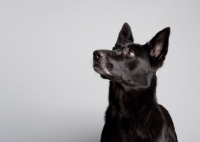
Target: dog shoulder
x,y
170,126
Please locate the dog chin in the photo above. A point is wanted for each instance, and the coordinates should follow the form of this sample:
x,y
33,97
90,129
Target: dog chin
x,y
111,78
104,76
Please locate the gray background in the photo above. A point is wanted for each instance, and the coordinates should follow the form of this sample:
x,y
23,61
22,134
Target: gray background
x,y
48,89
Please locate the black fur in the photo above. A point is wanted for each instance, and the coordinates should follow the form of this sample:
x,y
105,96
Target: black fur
x,y
133,114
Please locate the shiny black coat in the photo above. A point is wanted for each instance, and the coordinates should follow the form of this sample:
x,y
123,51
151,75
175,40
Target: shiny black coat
x,y
133,114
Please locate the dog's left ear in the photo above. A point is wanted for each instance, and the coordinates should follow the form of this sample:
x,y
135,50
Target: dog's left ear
x,y
125,35
158,46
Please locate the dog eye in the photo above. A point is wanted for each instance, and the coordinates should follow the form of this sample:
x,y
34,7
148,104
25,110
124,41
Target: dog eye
x,y
130,53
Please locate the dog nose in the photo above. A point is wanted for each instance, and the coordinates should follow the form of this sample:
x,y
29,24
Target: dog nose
x,y
98,54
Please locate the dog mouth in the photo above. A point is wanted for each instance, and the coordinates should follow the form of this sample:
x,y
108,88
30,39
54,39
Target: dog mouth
x,y
101,70
105,73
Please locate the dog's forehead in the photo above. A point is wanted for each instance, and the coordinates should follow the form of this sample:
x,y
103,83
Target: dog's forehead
x,y
126,46
134,45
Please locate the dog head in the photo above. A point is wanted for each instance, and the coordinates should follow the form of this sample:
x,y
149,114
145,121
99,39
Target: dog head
x,y
132,64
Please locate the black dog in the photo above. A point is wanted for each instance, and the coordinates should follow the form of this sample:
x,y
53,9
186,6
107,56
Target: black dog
x,y
133,114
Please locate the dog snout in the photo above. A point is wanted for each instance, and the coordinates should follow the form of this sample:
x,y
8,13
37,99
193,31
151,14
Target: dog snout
x,y
98,54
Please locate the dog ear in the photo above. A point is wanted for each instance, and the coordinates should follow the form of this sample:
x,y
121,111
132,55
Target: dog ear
x,y
125,35
158,46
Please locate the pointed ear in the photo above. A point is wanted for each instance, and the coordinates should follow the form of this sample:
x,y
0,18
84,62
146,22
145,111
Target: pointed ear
x,y
158,46
125,35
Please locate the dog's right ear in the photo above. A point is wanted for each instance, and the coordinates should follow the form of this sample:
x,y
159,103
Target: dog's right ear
x,y
125,35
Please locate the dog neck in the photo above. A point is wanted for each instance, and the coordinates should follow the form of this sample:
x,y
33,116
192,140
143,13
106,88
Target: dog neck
x,y
132,97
